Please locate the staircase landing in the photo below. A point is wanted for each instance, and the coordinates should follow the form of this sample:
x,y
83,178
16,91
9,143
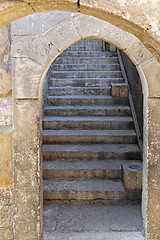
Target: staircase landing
x,y
92,222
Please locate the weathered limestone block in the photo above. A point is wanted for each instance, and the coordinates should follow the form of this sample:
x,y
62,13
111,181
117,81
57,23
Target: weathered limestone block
x,y
6,233
138,52
26,77
119,90
63,35
153,174
102,29
5,48
6,111
6,213
38,49
5,83
151,71
4,39
132,177
6,195
6,170
27,175
38,23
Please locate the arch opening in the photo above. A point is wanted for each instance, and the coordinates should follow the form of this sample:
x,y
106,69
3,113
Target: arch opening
x,y
33,100
82,83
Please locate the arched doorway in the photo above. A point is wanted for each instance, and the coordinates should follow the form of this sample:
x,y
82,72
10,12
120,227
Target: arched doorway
x,y
33,102
85,124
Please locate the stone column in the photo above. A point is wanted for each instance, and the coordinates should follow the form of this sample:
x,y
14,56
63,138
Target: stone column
x,y
151,172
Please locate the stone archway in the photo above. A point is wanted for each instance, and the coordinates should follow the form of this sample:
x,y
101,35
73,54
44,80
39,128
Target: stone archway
x,y
140,18
36,54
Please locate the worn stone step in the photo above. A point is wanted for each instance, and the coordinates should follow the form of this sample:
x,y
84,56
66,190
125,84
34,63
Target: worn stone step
x,y
90,151
67,53
53,91
86,74
99,110
85,100
104,169
86,67
87,44
87,190
88,47
82,82
86,235
90,122
88,136
86,60
90,41
92,222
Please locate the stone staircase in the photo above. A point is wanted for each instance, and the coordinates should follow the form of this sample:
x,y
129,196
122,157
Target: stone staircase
x,y
88,135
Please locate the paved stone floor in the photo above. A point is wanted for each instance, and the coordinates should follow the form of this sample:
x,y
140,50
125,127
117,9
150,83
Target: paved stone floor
x,y
86,222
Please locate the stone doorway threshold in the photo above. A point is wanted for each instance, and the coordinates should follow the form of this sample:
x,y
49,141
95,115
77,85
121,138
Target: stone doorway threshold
x,y
92,222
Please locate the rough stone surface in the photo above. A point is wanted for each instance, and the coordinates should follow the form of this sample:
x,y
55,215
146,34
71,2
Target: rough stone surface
x,y
95,236
26,85
7,233
132,179
151,70
102,29
41,52
6,213
91,218
6,170
27,166
41,23
66,30
153,170
139,53
6,111
119,90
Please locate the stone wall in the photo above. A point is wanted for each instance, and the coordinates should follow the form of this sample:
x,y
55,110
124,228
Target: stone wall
x,y
6,165
31,58
135,87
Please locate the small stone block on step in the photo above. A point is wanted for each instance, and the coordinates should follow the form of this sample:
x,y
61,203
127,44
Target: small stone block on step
x,y
119,90
124,91
132,176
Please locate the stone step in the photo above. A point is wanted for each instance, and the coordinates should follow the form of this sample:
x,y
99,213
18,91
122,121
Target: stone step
x,y
86,60
90,41
67,53
87,110
86,235
85,100
86,74
86,67
92,222
55,91
87,190
88,47
91,151
90,122
88,136
82,44
84,169
82,82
